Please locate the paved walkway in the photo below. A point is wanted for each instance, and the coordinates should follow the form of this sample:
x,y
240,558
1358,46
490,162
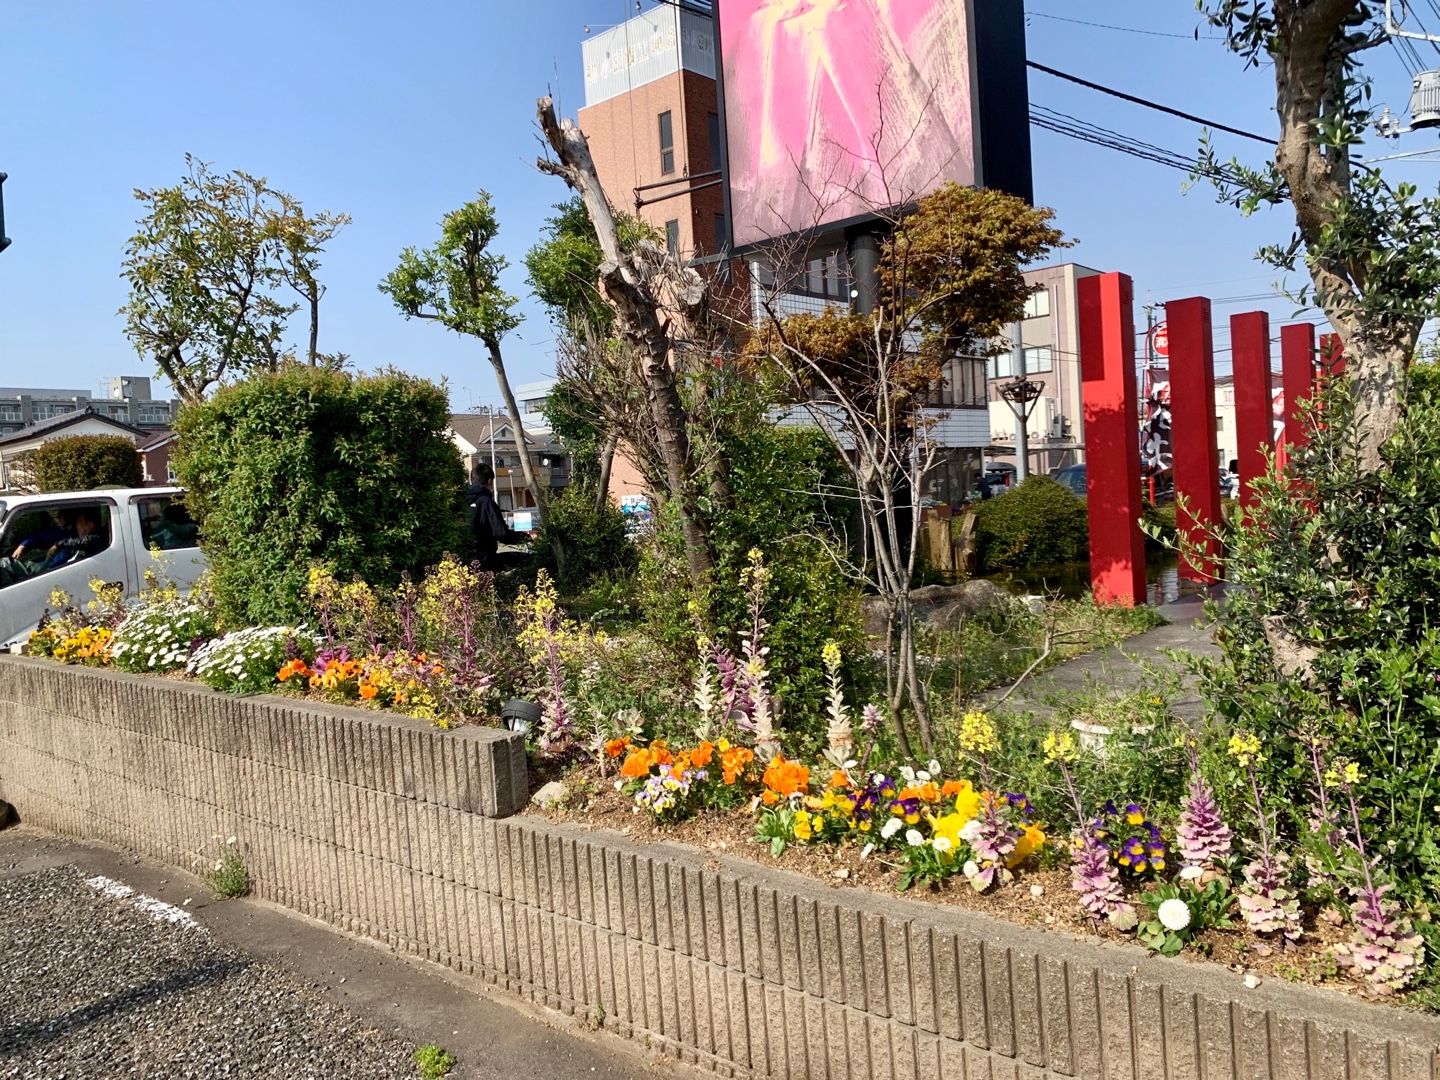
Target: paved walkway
x,y
1123,667
366,1002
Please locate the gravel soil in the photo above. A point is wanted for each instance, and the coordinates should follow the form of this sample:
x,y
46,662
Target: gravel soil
x,y
96,986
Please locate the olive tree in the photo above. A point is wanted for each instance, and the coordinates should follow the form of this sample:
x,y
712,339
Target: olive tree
x,y
1371,248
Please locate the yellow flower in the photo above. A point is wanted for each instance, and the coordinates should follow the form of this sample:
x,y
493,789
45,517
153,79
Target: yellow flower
x,y
967,801
977,733
803,830
1030,841
1061,746
830,655
949,828
1343,772
1244,747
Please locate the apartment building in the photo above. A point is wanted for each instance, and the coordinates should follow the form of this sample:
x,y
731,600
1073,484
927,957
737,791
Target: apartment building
x,y
126,398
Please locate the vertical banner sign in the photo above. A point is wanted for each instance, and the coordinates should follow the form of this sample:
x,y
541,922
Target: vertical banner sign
x,y
1297,376
1112,450
1192,430
1254,429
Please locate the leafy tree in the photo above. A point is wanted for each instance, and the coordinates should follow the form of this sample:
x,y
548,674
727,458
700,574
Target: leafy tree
x,y
83,462
1372,249
212,269
457,284
302,465
950,278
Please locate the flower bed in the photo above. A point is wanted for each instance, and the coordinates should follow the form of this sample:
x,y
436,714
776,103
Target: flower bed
x,y
374,824
1177,871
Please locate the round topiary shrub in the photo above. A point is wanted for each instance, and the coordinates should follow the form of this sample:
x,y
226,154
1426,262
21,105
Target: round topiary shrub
x,y
305,465
1040,523
85,462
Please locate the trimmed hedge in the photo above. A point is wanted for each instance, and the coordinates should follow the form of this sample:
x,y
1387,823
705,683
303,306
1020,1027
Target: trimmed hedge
x,y
288,468
1040,523
85,462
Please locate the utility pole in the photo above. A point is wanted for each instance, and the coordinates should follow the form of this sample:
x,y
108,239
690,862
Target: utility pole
x,y
1022,422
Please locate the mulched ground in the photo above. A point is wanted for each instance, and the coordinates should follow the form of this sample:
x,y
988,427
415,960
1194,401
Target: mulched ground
x,y
96,986
1038,897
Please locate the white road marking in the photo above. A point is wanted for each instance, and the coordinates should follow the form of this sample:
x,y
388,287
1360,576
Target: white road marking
x,y
156,909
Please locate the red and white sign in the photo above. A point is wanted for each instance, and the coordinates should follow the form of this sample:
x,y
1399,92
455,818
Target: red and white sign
x,y
1160,341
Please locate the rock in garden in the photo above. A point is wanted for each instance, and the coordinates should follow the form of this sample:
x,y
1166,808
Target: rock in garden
x,y
552,794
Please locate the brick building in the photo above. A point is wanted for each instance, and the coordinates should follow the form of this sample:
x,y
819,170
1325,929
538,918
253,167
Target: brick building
x,y
652,116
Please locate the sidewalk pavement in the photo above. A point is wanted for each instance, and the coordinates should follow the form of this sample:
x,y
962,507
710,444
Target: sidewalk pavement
x,y
1122,668
491,1037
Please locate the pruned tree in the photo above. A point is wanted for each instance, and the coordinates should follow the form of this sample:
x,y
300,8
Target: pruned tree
x,y
457,284
212,269
1371,249
599,400
950,278
659,307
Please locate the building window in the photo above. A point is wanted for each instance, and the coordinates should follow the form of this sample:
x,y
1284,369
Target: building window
x,y
963,385
150,414
10,413
1037,358
1219,423
45,412
672,234
534,405
667,144
1002,366
1038,304
824,275
712,129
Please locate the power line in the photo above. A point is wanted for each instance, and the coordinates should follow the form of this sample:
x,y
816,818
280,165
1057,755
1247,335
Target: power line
x,y
1134,100
1072,127
1123,29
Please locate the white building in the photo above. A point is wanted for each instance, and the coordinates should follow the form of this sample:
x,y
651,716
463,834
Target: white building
x,y
127,398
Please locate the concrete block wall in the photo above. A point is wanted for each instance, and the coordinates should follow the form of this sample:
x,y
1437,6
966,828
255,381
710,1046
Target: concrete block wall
x,y
396,831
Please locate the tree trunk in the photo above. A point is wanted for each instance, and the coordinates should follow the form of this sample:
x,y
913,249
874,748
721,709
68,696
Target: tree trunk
x,y
645,318
314,326
527,465
607,458
1377,381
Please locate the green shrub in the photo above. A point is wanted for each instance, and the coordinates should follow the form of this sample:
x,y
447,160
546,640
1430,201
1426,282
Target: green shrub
x,y
579,542
774,473
308,465
85,462
1040,523
1328,632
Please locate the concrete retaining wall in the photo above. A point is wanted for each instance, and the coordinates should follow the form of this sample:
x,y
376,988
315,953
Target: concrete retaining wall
x,y
394,830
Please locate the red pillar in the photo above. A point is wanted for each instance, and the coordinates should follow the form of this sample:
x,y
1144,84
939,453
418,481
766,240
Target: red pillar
x,y
1332,355
1297,377
1250,350
1112,438
1192,433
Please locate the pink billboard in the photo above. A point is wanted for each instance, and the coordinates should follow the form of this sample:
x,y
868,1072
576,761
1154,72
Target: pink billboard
x,y
835,109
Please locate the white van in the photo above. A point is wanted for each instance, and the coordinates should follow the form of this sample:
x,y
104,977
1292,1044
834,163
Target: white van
x,y
133,523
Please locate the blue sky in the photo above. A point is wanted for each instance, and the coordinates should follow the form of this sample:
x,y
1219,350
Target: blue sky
x,y
397,113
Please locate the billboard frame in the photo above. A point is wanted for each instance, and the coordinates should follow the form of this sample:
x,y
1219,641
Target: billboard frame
x,y
1000,115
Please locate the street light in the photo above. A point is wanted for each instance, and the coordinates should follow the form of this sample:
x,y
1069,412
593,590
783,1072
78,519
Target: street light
x,y
1021,395
4,240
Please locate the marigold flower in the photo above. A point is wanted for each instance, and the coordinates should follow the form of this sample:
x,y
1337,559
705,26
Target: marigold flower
x,y
734,760
702,755
786,778
637,764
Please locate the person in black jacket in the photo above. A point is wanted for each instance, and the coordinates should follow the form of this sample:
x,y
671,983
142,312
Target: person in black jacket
x,y
487,521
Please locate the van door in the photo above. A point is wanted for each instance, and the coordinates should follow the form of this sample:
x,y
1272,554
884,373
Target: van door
x,y
169,540
27,583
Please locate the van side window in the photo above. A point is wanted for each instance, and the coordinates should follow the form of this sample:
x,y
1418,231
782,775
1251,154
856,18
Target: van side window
x,y
166,525
40,540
